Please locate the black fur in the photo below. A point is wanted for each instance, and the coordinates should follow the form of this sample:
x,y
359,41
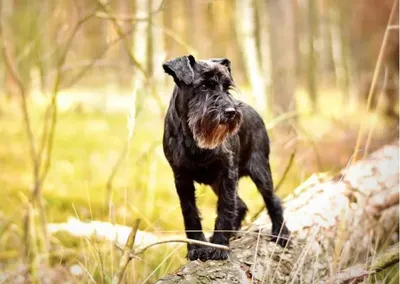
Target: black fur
x,y
211,138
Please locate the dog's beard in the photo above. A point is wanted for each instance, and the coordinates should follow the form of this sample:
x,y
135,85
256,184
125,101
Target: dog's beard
x,y
209,132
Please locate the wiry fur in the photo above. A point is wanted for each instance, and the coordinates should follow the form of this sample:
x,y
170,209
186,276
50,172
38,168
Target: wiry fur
x,y
205,143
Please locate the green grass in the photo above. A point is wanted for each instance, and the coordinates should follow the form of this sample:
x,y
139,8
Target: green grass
x,y
87,144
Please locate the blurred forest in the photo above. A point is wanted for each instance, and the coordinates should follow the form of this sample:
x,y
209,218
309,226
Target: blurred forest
x,y
83,97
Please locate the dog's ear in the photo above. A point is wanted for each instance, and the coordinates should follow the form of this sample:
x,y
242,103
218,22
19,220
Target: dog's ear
x,y
223,61
181,69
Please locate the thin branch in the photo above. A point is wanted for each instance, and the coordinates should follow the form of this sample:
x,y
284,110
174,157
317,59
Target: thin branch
x,y
188,241
375,78
129,253
300,129
125,18
114,171
283,117
48,132
372,128
15,75
126,256
116,166
87,64
170,33
179,40
103,274
48,135
120,33
77,77
288,167
29,235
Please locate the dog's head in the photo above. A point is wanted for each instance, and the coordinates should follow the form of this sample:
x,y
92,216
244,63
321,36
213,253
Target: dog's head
x,y
203,98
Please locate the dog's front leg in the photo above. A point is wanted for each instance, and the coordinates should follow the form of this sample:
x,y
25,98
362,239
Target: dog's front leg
x,y
226,189
191,217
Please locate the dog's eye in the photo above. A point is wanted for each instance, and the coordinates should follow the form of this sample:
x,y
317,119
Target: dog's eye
x,y
207,85
226,86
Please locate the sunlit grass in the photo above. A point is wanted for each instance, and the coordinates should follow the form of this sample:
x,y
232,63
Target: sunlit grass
x,y
89,138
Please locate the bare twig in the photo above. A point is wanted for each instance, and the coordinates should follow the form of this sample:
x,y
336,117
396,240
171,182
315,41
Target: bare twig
x,y
170,33
48,135
30,239
48,132
188,241
282,118
310,139
288,167
126,256
24,106
114,171
80,74
125,18
120,33
103,274
177,38
95,62
128,252
41,156
372,128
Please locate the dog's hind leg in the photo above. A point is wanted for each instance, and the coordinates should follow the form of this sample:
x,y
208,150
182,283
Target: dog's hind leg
x,y
260,172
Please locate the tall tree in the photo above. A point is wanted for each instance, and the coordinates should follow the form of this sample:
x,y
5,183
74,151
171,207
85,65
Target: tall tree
x,y
326,63
124,7
246,28
341,39
233,50
283,53
312,56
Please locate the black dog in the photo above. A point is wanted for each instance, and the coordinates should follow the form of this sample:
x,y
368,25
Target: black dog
x,y
211,138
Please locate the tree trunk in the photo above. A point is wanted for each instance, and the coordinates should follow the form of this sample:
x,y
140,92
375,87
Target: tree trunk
x,y
283,52
247,30
234,52
335,223
342,56
327,62
312,56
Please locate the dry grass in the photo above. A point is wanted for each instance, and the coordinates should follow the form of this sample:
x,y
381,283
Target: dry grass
x,y
89,140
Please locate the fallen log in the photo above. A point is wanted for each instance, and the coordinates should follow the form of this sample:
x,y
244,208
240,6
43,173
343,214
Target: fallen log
x,y
336,223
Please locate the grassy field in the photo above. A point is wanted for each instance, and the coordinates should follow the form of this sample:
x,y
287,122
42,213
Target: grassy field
x,y
88,142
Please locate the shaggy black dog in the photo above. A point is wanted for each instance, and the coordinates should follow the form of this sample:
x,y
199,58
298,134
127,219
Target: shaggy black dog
x,y
211,138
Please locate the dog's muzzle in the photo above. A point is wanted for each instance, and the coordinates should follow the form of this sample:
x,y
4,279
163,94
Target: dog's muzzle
x,y
230,113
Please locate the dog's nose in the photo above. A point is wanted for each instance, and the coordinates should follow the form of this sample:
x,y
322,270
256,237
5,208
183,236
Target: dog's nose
x,y
230,112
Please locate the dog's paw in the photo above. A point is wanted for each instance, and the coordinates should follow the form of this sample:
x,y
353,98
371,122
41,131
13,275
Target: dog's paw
x,y
215,254
197,252
281,236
